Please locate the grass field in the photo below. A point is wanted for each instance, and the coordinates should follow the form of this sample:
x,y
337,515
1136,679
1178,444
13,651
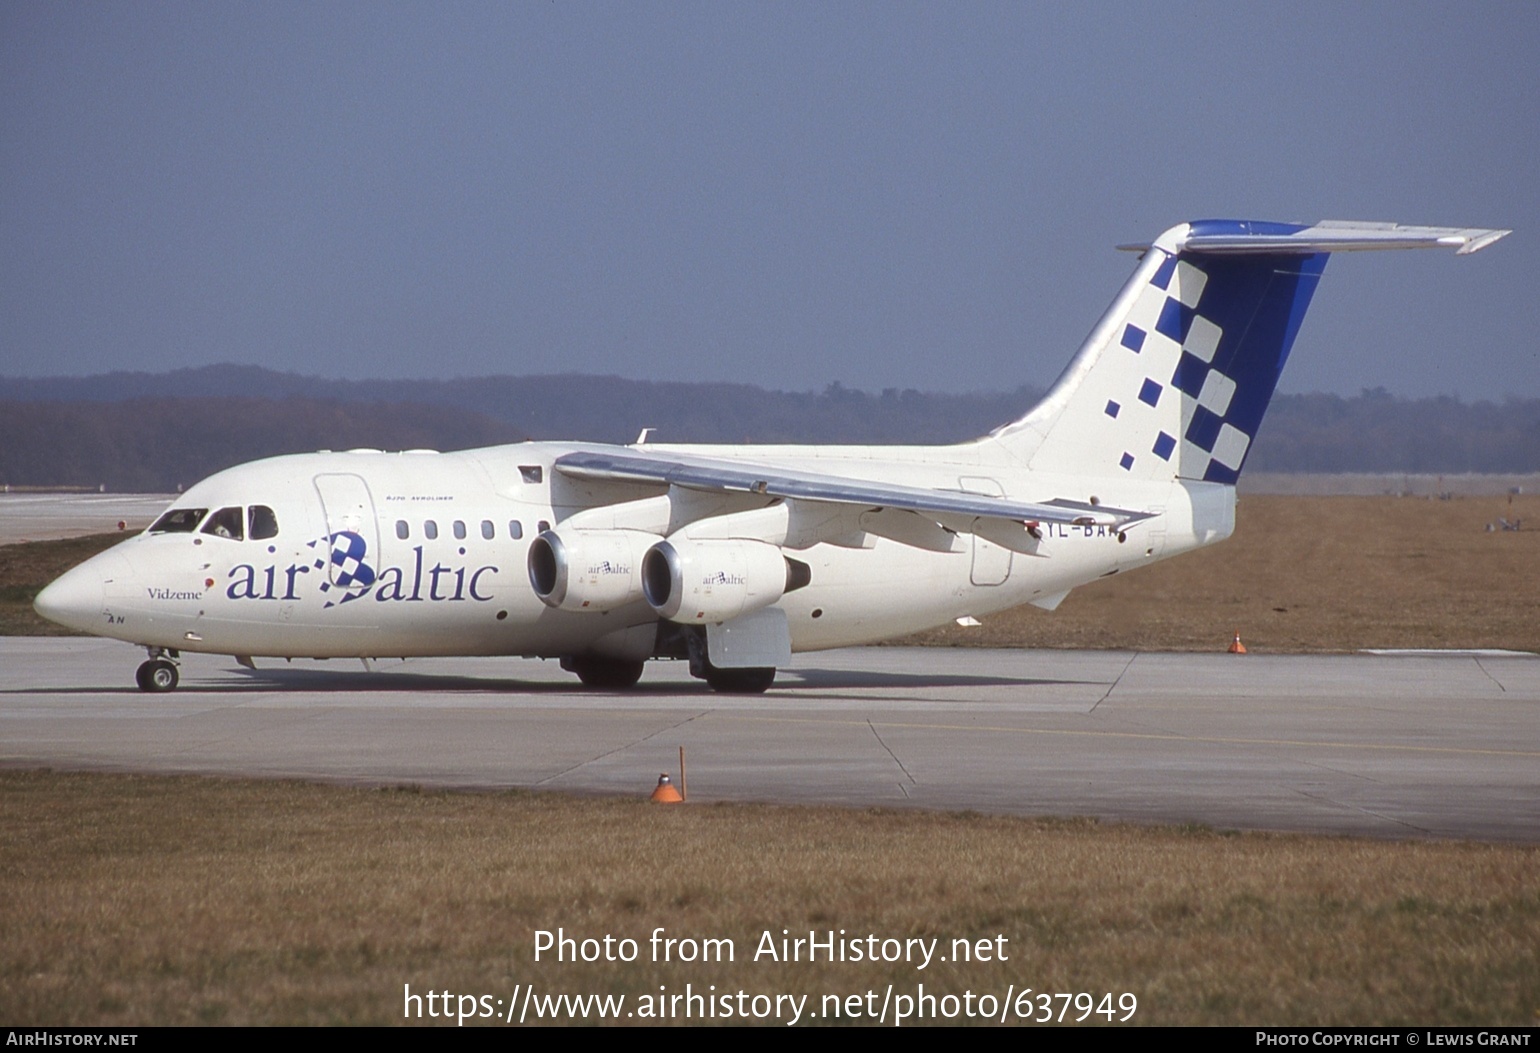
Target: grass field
x,y
149,900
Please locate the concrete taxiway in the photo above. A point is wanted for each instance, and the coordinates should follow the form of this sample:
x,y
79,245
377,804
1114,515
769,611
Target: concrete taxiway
x,y
43,516
1385,746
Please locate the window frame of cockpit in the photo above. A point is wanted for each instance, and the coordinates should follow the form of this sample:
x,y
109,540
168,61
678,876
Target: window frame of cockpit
x,y
160,526
228,522
258,528
251,522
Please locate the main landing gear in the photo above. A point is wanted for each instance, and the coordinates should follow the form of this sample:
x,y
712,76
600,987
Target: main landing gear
x,y
159,673
674,641
611,674
750,680
755,681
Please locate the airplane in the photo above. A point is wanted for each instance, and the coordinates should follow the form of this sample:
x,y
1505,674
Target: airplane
x,y
734,557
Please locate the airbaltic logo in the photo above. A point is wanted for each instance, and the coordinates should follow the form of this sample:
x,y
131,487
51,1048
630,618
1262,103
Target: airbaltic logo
x,y
606,567
721,577
343,567
347,556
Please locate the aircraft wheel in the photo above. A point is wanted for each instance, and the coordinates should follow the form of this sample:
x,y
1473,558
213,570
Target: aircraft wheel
x,y
610,673
157,675
740,681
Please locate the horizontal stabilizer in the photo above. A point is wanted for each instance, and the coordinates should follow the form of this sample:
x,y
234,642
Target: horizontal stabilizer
x,y
1236,237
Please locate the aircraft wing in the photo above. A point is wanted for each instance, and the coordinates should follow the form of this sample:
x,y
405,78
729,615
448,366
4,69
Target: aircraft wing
x,y
731,476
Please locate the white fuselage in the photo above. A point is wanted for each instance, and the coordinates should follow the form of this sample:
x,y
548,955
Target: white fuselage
x,y
448,537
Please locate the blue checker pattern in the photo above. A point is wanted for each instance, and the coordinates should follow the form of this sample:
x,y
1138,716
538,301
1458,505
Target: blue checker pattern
x,y
1256,302
1203,432
347,554
345,551
1191,372
1175,319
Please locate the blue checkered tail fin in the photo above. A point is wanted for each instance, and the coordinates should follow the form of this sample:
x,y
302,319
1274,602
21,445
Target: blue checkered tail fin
x,y
1174,380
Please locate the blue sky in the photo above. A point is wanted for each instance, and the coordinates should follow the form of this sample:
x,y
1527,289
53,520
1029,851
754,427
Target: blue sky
x,y
884,195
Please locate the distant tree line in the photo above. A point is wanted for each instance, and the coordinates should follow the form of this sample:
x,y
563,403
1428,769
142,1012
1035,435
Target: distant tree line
x,y
1376,432
592,408
157,445
142,432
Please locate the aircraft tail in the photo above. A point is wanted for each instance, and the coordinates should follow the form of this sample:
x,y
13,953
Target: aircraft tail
x,y
1175,378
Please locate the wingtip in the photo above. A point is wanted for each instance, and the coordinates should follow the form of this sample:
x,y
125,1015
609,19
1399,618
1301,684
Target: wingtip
x,y
1481,240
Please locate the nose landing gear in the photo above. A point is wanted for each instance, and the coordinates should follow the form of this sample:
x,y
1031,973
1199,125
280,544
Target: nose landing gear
x,y
159,673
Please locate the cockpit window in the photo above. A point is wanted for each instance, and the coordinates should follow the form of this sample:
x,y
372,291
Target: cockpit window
x,y
179,521
262,522
226,523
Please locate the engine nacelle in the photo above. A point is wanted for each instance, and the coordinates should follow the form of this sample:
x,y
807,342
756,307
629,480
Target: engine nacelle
x,y
695,582
588,570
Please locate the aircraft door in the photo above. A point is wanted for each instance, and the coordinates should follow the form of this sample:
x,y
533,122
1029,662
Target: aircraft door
x,y
991,562
351,530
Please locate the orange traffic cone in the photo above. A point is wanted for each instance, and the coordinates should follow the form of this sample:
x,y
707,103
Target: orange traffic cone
x,y
1236,647
665,793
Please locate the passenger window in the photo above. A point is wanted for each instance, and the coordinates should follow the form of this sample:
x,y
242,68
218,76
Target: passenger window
x,y
459,530
402,530
225,523
544,526
262,523
515,529
488,531
179,521
430,530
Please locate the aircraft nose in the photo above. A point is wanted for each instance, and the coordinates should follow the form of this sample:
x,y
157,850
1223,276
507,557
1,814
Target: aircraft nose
x,y
77,598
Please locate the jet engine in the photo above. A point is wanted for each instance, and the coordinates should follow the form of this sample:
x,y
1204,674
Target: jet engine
x,y
588,570
695,582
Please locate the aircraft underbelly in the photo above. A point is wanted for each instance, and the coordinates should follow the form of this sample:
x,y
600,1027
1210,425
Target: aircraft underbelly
x,y
861,596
